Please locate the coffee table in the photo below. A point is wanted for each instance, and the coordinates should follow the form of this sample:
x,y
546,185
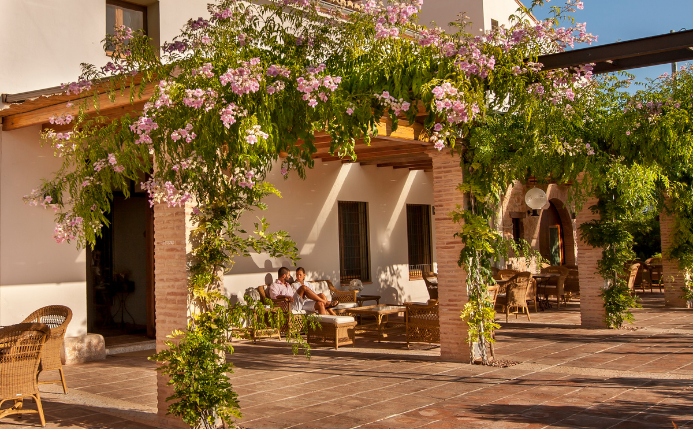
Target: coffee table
x,y
381,312
360,299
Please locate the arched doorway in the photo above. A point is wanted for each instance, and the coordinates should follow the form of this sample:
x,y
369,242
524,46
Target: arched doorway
x,y
552,234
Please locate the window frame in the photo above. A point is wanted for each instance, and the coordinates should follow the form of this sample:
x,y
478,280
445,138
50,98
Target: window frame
x,y
416,270
130,6
364,242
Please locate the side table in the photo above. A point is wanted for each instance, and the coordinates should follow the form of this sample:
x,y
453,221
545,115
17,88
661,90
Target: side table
x,y
360,299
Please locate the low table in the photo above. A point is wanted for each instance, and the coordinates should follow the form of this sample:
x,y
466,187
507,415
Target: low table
x,y
542,280
360,299
381,312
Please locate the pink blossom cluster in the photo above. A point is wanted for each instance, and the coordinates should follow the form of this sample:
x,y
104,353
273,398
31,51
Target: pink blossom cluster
x,y
114,68
276,70
253,133
431,37
198,24
166,193
447,102
248,181
472,61
59,136
205,70
37,197
314,86
397,106
76,87
197,98
223,14
114,163
244,79
438,137
184,133
242,39
143,127
305,40
177,46
67,230
190,162
61,120
388,17
285,169
164,95
230,113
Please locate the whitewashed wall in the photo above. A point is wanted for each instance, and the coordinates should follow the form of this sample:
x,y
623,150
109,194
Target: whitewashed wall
x,y
308,211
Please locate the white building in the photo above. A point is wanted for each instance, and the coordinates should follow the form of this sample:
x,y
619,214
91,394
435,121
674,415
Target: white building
x,y
43,44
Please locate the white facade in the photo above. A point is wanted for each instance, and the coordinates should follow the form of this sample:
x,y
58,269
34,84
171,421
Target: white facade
x,y
42,44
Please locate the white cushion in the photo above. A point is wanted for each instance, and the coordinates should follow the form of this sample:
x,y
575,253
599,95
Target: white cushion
x,y
417,303
326,318
298,312
433,280
321,287
345,305
252,293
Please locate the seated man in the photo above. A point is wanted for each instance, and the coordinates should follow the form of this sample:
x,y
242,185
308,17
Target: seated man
x,y
301,299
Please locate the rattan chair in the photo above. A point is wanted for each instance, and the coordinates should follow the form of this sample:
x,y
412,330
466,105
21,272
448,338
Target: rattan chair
x,y
571,286
422,322
504,274
431,280
515,295
631,275
20,353
556,286
652,274
343,296
56,317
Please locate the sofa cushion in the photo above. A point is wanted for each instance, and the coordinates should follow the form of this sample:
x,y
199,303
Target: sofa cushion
x,y
345,305
298,312
320,287
326,318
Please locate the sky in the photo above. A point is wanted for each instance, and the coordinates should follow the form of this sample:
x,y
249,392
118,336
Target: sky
x,y
621,20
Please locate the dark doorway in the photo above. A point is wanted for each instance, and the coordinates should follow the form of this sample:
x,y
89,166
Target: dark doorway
x,y
120,273
551,236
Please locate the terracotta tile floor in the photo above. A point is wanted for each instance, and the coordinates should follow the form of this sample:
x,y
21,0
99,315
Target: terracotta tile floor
x,y
567,378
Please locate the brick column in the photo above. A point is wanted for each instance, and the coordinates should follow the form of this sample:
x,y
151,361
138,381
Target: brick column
x,y
452,290
672,277
591,283
171,249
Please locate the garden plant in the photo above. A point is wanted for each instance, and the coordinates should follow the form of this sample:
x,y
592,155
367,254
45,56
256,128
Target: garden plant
x,y
247,88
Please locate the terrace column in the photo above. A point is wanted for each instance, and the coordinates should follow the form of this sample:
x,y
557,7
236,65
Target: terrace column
x,y
452,290
591,283
672,277
172,246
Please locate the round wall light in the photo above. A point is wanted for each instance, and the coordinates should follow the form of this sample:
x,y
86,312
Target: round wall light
x,y
535,199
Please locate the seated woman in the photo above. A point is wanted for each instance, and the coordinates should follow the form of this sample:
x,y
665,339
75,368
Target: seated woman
x,y
310,300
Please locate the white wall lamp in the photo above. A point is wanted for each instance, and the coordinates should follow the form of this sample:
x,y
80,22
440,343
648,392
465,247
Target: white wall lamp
x,y
535,199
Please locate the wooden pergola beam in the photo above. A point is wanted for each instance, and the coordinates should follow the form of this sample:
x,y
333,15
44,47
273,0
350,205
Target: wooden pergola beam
x,y
41,116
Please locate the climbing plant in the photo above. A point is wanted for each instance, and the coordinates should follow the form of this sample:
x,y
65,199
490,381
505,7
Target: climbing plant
x,y
247,88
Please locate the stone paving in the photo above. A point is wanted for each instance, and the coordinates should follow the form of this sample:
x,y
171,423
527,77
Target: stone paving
x,y
567,378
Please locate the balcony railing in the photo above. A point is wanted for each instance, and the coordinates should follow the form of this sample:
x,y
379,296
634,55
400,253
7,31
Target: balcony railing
x,y
416,271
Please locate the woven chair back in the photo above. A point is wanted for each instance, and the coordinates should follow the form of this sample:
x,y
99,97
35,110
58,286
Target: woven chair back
x,y
492,294
516,289
56,317
263,290
655,273
633,274
505,274
559,282
20,352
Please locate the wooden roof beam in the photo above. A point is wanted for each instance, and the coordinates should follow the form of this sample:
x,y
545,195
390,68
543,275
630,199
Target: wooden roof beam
x,y
42,115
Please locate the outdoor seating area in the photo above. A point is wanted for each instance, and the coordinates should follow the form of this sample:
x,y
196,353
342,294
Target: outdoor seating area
x,y
28,349
566,377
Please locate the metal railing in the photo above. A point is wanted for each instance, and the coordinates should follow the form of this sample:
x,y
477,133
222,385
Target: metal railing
x,y
416,271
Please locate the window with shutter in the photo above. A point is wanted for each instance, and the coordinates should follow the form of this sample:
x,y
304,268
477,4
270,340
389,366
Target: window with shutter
x,y
354,252
419,240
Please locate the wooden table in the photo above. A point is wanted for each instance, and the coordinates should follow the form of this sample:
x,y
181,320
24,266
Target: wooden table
x,y
381,312
360,299
542,279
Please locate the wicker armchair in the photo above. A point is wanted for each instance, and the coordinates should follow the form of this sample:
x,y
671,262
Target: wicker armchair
x,y
571,286
431,280
515,295
504,274
652,274
20,353
422,322
556,286
56,317
254,331
342,296
631,275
